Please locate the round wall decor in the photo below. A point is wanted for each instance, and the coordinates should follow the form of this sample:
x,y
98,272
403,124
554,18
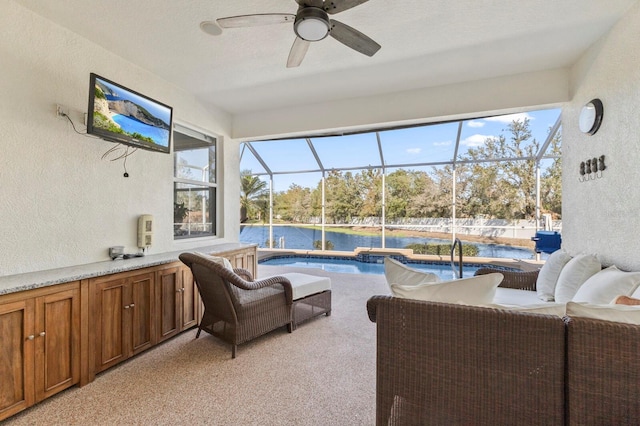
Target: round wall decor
x,y
591,117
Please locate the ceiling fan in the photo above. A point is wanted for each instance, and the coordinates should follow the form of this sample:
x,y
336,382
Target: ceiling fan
x,y
310,23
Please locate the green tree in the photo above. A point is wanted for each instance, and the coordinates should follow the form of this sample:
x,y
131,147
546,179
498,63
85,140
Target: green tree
x,y
253,196
370,190
342,196
505,189
294,204
551,180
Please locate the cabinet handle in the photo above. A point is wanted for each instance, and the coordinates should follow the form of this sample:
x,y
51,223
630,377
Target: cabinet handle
x,y
31,337
42,333
126,306
132,305
182,289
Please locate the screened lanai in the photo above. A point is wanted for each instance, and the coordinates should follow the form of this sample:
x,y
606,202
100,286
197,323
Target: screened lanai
x,y
448,153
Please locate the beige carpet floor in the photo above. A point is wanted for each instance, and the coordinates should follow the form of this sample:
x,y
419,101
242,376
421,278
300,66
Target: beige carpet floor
x,y
321,374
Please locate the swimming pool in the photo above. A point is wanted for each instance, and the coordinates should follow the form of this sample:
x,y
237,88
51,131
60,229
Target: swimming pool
x,y
372,265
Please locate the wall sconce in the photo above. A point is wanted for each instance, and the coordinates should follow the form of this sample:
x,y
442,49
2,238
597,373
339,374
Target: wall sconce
x,y
592,169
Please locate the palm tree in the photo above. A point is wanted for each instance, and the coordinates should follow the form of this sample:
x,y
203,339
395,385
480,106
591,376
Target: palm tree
x,y
252,192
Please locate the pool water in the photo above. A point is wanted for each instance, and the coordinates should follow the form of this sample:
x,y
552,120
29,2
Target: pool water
x,y
354,266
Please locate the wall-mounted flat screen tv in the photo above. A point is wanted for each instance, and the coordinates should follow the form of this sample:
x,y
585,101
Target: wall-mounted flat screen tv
x,y
118,114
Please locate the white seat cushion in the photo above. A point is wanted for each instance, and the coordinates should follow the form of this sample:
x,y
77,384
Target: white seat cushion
x,y
304,285
514,296
616,313
549,308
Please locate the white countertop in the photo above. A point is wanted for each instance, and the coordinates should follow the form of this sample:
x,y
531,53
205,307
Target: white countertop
x,y
31,280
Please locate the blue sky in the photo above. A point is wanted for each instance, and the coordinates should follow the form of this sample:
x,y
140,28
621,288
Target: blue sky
x,y
425,144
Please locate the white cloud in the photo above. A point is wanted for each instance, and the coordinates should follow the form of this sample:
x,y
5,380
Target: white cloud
x,y
476,140
475,123
414,150
443,143
511,117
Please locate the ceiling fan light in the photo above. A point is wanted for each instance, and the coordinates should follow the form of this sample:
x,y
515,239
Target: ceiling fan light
x,y
311,29
312,24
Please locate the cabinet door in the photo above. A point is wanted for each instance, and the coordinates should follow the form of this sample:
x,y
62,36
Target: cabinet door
x,y
239,260
112,299
168,302
57,342
190,300
251,262
16,357
141,311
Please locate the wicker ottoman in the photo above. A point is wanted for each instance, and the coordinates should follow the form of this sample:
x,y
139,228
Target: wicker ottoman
x,y
311,296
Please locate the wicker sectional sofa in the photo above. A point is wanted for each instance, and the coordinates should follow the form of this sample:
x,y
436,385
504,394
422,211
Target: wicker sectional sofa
x,y
450,364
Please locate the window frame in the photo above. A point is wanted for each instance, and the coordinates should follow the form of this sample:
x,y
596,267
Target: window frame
x,y
214,141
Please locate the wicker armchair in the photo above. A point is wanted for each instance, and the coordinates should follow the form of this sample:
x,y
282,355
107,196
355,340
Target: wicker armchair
x,y
236,307
514,279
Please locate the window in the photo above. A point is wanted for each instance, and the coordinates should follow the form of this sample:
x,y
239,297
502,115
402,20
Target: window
x,y
194,183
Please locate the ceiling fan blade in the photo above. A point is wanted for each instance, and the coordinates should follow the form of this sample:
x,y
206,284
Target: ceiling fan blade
x,y
337,6
298,50
353,38
312,3
255,20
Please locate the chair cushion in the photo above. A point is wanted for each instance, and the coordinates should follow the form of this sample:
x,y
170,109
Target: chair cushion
x,y
606,285
574,274
303,285
549,273
515,296
551,308
478,290
398,273
219,260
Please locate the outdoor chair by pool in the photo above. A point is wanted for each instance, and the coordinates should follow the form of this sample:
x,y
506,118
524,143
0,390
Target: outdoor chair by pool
x,y
237,308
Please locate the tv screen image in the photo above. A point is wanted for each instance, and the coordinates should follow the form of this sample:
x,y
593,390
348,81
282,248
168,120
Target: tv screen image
x,y
119,114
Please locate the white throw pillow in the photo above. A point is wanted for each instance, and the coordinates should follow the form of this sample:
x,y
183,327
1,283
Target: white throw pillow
x,y
398,273
557,309
617,313
478,290
574,274
549,273
606,285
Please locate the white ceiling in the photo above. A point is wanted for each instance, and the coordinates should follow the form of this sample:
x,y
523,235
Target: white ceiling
x,y
425,43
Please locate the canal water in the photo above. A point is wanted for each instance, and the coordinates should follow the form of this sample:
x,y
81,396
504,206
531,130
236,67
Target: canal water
x,y
299,238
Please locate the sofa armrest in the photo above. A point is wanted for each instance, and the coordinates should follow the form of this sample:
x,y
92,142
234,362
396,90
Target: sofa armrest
x,y
440,363
603,372
514,279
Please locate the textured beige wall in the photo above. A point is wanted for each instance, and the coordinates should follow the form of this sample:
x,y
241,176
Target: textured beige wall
x,y
61,204
601,216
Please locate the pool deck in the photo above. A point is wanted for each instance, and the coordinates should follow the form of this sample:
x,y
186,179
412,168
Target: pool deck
x,y
524,265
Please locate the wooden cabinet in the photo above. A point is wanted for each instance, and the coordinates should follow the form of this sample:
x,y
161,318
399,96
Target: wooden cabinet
x,y
54,337
176,301
123,317
243,258
40,350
